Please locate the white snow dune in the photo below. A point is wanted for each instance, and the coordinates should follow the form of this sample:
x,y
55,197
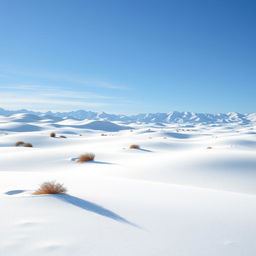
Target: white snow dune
x,y
188,190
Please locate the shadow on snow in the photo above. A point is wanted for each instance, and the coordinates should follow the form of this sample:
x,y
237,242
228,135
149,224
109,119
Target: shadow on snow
x,y
92,207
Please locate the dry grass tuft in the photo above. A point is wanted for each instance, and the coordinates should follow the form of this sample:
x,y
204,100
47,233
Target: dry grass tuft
x,y
85,158
134,146
104,134
62,136
28,145
53,134
209,148
50,187
18,143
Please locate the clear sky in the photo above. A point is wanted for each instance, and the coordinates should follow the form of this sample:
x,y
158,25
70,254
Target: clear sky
x,y
128,56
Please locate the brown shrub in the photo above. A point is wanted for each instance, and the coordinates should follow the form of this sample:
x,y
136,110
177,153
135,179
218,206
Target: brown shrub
x,y
53,134
85,158
28,145
134,146
18,143
209,148
62,136
50,187
104,134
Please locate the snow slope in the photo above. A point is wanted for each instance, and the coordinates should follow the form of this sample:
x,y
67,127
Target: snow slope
x,y
190,190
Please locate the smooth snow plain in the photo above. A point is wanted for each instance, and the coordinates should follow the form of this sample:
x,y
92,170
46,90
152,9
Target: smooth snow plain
x,y
173,197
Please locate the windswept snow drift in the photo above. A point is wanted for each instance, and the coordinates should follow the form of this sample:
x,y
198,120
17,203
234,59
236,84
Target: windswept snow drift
x,y
190,189
96,125
18,127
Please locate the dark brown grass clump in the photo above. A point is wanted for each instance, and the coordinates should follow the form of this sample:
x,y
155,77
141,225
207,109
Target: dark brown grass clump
x,y
85,158
134,146
62,136
209,148
18,143
50,187
53,134
28,145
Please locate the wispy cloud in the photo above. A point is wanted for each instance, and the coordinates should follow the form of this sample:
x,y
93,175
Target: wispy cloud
x,y
55,91
40,103
42,97
69,78
53,101
52,91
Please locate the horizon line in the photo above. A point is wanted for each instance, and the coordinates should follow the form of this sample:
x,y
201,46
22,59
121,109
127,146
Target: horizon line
x,y
167,112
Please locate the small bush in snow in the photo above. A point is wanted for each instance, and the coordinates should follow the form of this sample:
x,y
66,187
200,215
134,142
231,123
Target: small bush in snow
x,y
50,187
85,158
62,136
18,143
28,145
53,134
134,146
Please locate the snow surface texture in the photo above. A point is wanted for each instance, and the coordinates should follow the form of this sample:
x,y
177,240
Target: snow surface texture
x,y
190,190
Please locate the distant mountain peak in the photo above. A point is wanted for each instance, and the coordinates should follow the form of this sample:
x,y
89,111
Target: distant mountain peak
x,y
169,117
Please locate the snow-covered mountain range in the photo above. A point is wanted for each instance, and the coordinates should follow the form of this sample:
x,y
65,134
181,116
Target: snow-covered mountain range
x,y
170,117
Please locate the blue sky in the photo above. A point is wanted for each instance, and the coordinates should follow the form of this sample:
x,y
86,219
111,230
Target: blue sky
x,y
128,56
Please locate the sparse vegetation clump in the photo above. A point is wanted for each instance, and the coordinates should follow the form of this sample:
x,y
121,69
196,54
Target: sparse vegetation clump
x,y
85,158
28,145
104,134
134,146
209,148
19,143
63,136
24,144
50,187
53,134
